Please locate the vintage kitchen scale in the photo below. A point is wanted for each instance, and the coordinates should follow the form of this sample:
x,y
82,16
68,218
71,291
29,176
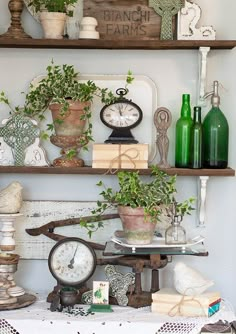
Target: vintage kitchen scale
x,y
67,249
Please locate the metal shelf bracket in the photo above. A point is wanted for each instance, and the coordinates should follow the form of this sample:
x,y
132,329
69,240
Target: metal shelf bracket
x,y
202,188
203,51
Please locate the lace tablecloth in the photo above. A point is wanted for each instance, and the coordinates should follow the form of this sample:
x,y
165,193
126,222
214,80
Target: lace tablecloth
x,y
38,319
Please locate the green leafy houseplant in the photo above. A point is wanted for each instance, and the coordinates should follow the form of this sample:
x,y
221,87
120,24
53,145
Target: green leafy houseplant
x,y
53,6
134,192
61,85
151,196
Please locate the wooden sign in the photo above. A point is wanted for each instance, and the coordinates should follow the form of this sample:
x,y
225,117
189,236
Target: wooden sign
x,y
125,19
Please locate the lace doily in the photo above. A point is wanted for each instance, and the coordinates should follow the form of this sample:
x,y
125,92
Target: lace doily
x,y
6,328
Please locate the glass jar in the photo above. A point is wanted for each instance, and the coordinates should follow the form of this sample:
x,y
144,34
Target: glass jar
x,y
175,234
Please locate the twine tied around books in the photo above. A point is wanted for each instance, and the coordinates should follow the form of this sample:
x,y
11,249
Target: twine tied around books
x,y
118,159
176,309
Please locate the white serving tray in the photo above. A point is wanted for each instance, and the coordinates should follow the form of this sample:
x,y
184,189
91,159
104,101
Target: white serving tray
x,y
142,91
159,243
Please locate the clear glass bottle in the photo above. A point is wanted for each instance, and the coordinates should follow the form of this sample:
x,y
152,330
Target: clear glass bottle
x,y
215,131
182,134
196,140
175,234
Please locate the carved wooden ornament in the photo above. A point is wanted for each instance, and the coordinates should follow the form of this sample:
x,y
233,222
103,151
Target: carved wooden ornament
x,y
162,121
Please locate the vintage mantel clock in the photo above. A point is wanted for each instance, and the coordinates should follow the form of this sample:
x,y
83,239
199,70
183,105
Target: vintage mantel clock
x,y
121,116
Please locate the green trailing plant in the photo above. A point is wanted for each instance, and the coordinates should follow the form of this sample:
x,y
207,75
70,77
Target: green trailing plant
x,y
56,6
135,192
61,85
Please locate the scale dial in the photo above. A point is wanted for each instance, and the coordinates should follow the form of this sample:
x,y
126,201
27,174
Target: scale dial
x,y
72,261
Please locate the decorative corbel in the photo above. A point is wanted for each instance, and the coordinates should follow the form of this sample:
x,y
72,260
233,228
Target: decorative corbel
x,y
202,201
202,74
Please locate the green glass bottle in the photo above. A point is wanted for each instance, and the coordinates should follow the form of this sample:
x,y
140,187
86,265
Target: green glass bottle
x,y
215,135
196,140
182,134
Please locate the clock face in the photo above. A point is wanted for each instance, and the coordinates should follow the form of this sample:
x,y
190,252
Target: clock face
x,y
72,261
121,115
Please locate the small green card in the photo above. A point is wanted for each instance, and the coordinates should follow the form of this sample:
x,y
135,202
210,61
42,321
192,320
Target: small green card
x,y
100,308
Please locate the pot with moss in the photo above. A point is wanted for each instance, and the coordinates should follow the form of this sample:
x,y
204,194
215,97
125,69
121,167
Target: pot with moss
x,y
139,202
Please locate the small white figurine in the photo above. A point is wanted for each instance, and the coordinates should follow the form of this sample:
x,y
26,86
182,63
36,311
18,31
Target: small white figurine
x,y
6,155
188,281
88,28
11,198
35,155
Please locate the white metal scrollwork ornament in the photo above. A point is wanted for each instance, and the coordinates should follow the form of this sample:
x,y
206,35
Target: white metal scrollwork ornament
x,y
188,17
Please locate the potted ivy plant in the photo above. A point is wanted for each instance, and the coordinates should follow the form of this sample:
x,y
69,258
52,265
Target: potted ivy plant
x,y
140,204
70,102
52,15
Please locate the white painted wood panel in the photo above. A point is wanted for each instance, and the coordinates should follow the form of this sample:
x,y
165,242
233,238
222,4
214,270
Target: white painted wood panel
x,y
39,213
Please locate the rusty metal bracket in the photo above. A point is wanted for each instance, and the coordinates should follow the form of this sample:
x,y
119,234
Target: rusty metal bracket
x,y
48,229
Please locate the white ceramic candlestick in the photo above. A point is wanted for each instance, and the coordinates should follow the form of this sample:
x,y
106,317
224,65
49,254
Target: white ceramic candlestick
x,y
8,245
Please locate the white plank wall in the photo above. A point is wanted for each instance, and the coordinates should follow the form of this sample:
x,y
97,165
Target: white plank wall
x,y
39,213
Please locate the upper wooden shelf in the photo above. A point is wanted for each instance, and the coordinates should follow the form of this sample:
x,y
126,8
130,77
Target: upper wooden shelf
x,y
104,171
113,44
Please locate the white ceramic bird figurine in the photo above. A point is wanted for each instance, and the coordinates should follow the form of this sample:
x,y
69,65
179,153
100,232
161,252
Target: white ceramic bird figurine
x,y
11,198
188,281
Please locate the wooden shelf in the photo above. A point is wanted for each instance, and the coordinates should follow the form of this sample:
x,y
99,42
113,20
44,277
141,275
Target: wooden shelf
x,y
103,171
113,44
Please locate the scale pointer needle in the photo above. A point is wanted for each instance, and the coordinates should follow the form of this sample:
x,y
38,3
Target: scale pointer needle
x,y
70,265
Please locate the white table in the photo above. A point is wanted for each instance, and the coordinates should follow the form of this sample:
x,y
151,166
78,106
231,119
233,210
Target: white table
x,y
38,319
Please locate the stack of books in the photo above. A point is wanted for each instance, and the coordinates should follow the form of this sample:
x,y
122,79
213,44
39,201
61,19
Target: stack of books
x,y
169,301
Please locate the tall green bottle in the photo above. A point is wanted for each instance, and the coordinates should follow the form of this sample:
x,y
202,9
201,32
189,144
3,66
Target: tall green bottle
x,y
215,134
182,134
196,140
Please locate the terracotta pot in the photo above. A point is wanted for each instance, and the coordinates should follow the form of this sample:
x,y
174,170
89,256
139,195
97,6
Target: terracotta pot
x,y
68,133
138,228
72,125
53,24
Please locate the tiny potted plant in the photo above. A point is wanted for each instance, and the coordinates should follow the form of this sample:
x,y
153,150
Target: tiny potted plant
x,y
140,203
52,15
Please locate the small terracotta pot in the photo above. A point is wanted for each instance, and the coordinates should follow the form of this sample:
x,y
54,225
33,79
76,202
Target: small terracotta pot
x,y
138,228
